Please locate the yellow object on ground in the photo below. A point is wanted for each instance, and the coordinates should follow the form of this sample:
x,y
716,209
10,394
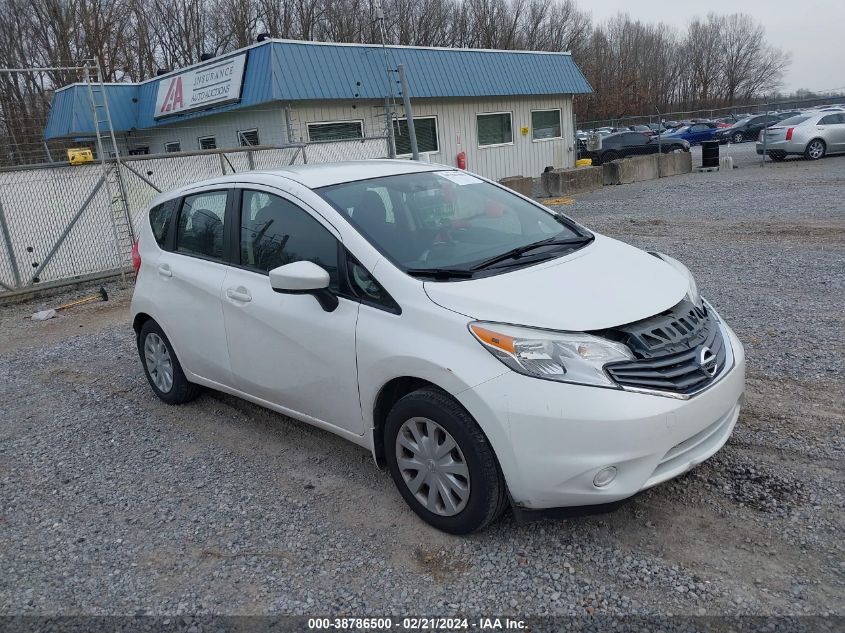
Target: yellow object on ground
x,y
555,201
79,155
583,162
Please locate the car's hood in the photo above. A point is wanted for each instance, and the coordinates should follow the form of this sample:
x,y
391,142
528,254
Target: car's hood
x,y
605,284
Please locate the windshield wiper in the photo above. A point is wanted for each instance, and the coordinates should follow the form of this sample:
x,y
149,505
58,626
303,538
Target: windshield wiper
x,y
440,273
516,253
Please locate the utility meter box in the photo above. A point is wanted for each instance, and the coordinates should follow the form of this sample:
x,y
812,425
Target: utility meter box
x,y
80,155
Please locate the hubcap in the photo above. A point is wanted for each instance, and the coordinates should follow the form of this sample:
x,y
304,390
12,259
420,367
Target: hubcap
x,y
738,138
816,150
159,365
433,466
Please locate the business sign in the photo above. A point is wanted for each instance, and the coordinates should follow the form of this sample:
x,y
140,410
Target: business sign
x,y
215,84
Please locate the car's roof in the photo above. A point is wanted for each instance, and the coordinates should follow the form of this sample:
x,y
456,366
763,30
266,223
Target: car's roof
x,y
312,176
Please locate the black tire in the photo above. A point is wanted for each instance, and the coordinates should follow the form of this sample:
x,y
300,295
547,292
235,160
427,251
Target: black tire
x,y
181,390
738,137
487,489
809,152
609,156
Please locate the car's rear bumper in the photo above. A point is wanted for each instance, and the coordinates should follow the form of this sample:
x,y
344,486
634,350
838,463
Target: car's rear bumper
x,y
780,147
553,438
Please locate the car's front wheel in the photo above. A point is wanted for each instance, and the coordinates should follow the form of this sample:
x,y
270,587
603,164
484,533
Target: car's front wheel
x,y
737,138
161,366
442,463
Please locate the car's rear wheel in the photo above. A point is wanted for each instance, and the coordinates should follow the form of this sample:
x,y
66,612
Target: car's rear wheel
x,y
815,149
162,368
737,138
442,463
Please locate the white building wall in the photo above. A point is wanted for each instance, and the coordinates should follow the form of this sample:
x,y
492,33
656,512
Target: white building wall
x,y
456,130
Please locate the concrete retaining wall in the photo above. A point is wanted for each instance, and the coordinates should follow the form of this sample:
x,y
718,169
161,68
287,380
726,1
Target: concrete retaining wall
x,y
628,170
675,163
520,184
563,182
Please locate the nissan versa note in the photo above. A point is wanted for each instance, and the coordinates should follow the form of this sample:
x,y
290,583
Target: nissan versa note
x,y
489,351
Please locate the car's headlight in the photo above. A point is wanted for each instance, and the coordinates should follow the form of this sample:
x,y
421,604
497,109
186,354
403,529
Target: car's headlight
x,y
692,293
562,356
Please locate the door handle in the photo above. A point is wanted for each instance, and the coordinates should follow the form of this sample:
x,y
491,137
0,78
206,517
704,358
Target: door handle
x,y
239,294
164,270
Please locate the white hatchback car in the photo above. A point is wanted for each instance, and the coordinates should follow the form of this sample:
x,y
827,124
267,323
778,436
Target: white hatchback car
x,y
488,350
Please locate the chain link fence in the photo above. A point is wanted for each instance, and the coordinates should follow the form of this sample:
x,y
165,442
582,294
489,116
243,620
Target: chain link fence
x,y
803,129
62,224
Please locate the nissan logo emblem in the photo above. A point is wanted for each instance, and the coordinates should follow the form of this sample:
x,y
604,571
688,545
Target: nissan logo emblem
x,y
707,361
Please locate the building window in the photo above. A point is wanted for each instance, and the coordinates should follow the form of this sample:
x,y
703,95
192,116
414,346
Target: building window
x,y
139,151
426,129
545,124
208,142
494,129
335,130
248,138
173,147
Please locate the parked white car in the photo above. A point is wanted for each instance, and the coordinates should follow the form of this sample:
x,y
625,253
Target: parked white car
x,y
486,349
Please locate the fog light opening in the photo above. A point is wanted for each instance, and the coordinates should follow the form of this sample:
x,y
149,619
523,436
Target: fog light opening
x,y
604,477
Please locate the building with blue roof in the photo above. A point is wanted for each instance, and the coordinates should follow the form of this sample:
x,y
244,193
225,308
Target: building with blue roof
x,y
504,112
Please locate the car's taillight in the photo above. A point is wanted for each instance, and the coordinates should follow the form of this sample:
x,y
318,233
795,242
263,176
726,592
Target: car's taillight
x,y
136,257
789,133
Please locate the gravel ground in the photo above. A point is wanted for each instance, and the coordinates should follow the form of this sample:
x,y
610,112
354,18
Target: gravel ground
x,y
114,503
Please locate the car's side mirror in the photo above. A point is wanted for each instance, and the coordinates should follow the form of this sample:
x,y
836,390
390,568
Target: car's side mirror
x,y
304,278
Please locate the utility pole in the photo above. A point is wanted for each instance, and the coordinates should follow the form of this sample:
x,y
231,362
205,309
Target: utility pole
x,y
409,112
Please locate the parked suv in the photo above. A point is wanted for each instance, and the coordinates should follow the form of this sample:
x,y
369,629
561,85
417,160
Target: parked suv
x,y
489,351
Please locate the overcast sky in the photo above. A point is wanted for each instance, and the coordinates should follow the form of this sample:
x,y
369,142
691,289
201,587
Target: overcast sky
x,y
812,30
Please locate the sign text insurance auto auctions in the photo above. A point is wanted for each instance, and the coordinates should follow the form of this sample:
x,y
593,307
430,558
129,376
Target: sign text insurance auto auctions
x,y
214,84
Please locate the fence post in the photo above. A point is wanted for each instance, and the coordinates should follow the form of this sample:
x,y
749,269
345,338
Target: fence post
x,y
388,118
409,112
8,240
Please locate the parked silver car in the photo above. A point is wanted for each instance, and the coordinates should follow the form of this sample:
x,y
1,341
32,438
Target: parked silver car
x,y
813,134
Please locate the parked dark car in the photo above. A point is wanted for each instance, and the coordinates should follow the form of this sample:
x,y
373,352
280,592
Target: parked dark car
x,y
625,144
787,114
747,129
643,129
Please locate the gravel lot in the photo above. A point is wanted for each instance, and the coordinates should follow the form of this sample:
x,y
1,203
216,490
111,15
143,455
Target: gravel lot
x,y
114,503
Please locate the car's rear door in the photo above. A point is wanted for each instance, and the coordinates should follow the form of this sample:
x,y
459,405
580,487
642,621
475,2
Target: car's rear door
x,y
285,348
190,275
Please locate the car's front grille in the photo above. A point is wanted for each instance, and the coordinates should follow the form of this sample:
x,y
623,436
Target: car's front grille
x,y
680,350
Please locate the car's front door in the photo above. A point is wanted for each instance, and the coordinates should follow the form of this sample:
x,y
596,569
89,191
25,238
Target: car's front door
x,y
285,348
832,127
190,277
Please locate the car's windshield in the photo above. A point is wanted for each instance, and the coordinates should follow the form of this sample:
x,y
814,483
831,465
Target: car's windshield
x,y
741,122
450,220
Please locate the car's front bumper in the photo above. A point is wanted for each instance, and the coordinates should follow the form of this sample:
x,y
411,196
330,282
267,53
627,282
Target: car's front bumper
x,y
552,438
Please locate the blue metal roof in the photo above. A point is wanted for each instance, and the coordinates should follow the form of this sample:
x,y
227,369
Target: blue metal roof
x,y
282,70
71,112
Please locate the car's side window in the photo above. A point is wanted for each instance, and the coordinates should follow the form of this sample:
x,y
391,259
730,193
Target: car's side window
x,y
161,217
365,287
200,227
830,119
275,232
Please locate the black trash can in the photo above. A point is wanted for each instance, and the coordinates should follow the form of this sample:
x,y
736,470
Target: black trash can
x,y
709,153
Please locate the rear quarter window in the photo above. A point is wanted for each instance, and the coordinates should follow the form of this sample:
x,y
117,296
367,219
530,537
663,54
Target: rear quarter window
x,y
161,217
